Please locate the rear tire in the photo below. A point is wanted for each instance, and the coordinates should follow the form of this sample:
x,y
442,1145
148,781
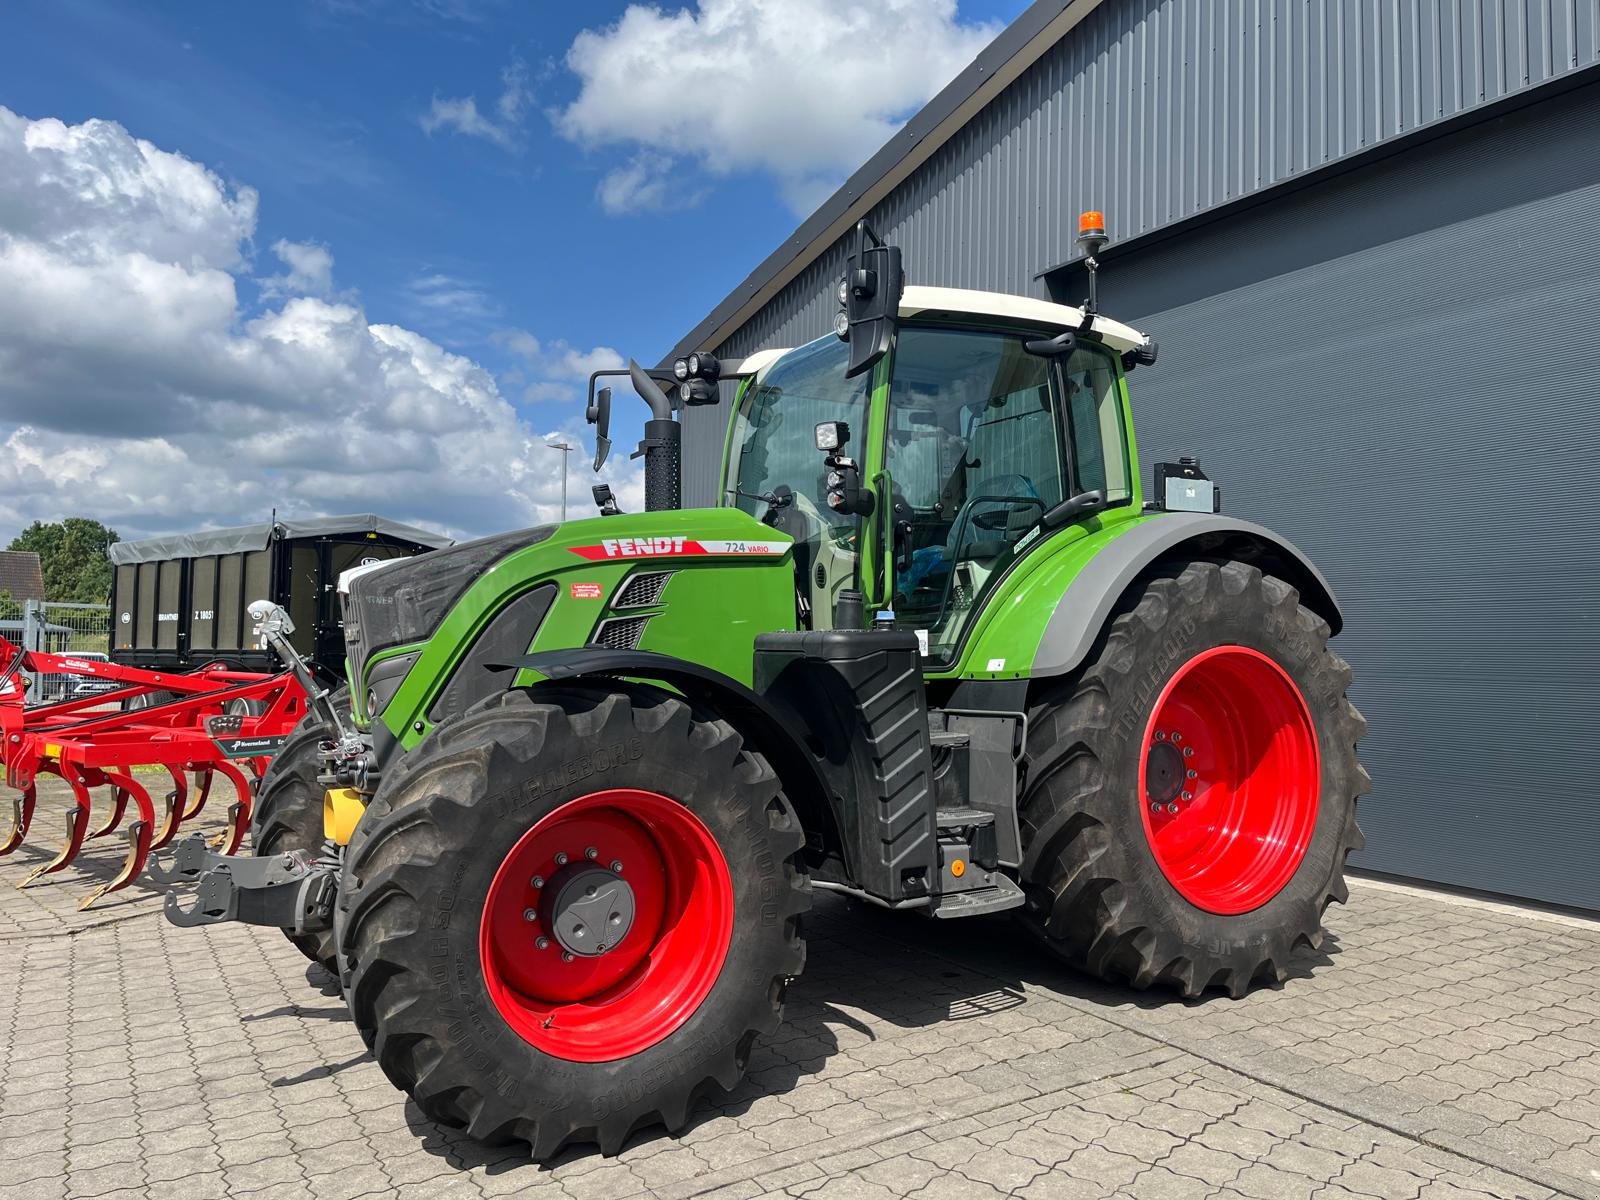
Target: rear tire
x,y
491,1033
288,811
1109,787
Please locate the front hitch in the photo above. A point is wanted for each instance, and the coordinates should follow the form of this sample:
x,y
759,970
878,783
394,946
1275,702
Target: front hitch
x,y
291,891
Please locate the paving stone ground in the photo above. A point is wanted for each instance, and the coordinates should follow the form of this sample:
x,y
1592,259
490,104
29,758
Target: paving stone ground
x,y
1436,1050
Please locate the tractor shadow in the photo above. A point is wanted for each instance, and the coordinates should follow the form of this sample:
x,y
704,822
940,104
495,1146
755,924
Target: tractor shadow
x,y
870,973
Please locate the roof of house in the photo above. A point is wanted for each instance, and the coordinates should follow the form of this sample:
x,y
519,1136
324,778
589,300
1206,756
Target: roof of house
x,y
21,575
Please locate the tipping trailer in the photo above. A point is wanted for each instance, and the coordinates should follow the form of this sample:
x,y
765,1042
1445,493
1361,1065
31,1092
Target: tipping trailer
x,y
939,650
179,602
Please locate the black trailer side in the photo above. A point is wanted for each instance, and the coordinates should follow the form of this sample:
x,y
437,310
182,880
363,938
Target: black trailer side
x,y
179,602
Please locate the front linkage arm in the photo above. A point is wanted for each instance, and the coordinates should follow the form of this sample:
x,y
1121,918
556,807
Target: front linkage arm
x,y
289,891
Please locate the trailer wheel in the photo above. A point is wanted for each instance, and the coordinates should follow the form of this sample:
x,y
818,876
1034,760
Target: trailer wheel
x,y
1191,792
288,812
568,915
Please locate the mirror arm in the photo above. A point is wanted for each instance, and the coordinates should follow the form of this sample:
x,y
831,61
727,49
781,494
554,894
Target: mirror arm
x,y
1071,508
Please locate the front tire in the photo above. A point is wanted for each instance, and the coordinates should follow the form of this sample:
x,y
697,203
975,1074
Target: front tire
x,y
1191,791
469,904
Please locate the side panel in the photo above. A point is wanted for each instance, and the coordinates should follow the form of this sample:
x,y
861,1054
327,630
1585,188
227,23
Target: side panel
x,y
732,579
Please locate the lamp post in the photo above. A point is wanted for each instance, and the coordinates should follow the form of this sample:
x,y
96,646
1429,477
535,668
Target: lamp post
x,y
566,449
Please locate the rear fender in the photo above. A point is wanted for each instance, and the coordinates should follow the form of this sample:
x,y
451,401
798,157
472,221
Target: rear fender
x,y
1089,601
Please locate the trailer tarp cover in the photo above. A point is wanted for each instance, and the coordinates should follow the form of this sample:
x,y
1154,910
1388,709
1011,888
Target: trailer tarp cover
x,y
244,538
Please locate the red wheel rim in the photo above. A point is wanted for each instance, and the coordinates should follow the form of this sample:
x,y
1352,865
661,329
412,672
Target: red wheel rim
x,y
588,1002
1229,779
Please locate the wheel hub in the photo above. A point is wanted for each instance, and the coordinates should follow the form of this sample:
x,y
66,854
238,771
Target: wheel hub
x,y
590,912
1163,772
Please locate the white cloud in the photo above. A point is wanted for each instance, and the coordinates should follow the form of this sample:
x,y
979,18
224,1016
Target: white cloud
x,y
310,270
554,370
461,114
649,182
803,91
136,389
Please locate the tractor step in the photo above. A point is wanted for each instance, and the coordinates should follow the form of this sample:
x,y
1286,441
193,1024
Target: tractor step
x,y
963,818
1001,895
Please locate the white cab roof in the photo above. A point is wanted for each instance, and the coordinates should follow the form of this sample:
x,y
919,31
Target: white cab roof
x,y
917,299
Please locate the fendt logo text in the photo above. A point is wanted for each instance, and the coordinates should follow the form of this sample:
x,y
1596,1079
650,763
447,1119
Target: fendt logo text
x,y
673,547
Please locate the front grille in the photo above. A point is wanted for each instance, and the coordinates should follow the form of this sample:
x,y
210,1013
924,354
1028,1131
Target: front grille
x,y
641,591
404,602
619,633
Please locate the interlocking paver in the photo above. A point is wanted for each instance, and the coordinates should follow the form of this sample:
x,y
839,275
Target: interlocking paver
x,y
1435,1050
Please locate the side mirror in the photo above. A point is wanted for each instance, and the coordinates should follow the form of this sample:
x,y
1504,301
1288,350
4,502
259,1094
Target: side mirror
x,y
598,414
1063,343
869,300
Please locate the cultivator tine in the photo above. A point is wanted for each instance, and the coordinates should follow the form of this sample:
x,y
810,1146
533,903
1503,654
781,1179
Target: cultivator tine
x,y
119,805
238,811
77,826
202,790
139,838
21,818
176,799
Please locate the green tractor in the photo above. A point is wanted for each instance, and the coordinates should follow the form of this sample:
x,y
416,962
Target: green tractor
x,y
937,651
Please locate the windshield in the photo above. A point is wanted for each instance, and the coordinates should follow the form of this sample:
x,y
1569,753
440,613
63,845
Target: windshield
x,y
774,451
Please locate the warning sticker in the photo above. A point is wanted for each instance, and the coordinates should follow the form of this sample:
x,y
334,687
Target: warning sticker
x,y
586,591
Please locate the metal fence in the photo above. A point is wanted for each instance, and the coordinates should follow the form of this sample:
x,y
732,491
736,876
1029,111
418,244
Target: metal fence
x,y
81,630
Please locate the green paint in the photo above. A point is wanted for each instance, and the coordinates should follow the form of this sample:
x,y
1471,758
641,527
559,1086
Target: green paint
x,y
725,600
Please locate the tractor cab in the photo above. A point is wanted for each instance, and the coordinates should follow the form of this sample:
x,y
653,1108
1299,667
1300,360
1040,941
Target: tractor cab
x,y
985,416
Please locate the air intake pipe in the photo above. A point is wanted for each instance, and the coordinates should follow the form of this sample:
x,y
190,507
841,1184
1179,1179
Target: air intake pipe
x,y
661,447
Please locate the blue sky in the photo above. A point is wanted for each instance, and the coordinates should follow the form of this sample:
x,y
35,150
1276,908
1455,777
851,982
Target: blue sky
x,y
528,188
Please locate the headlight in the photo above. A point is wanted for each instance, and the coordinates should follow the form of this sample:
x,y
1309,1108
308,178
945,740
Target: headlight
x,y
692,365
844,294
680,369
841,324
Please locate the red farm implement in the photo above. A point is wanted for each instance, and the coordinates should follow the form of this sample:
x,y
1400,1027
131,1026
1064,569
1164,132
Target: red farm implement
x,y
195,725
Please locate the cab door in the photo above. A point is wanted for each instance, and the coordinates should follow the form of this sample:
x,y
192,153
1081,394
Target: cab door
x,y
981,439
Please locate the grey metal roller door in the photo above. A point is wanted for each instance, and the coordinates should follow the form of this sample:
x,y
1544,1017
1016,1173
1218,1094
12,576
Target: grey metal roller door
x,y
1403,376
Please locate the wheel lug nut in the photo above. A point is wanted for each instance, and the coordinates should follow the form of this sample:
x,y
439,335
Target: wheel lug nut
x,y
1188,795
1192,774
538,881
566,956
529,914
616,865
1188,751
561,859
1176,737
542,943
1155,806
1161,735
1173,807
591,853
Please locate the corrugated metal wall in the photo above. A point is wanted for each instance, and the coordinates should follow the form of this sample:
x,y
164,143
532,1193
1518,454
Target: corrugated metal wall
x,y
1154,110
1417,412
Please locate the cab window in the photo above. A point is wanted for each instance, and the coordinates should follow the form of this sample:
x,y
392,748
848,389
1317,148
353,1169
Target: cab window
x,y
983,439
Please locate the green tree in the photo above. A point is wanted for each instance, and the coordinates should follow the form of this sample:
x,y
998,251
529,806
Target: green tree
x,y
72,554
10,610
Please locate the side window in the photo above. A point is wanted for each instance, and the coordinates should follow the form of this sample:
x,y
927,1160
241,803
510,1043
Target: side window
x,y
1099,449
